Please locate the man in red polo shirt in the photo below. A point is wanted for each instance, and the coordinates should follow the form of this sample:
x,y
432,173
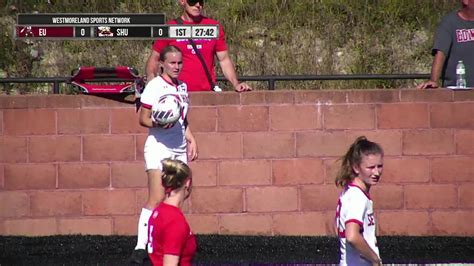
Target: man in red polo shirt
x,y
193,72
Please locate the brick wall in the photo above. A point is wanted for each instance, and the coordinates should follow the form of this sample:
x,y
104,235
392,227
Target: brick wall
x,y
74,164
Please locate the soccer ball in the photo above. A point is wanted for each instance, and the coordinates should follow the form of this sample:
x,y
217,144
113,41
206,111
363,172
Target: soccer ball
x,y
166,110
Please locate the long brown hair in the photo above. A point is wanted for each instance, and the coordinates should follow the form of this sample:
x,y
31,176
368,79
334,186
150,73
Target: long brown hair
x,y
361,146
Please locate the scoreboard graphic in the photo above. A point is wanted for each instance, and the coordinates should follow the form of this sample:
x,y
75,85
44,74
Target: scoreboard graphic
x,y
105,26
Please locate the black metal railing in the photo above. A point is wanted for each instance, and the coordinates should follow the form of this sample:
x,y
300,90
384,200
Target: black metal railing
x,y
271,79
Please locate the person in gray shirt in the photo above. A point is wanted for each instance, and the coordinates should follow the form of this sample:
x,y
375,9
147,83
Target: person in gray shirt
x,y
454,41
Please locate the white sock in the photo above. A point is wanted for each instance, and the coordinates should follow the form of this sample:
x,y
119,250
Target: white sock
x,y
142,237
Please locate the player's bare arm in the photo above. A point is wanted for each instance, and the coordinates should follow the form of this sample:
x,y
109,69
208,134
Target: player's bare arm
x,y
170,260
355,239
152,65
229,72
145,118
192,145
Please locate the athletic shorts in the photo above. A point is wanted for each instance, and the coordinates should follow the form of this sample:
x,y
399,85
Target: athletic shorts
x,y
156,152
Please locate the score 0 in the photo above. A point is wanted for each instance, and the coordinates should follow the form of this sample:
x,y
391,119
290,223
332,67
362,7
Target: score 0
x,y
82,32
160,32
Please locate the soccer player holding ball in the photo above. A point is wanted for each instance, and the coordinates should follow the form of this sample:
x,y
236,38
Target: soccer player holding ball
x,y
167,137
361,169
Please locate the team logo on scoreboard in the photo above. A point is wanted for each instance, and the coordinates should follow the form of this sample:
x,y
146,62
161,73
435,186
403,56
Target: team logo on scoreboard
x,y
104,31
27,32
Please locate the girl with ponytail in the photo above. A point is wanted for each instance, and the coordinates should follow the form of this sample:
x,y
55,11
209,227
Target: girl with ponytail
x,y
361,168
170,240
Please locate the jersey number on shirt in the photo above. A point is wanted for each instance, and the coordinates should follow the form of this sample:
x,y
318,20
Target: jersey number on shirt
x,y
371,219
150,239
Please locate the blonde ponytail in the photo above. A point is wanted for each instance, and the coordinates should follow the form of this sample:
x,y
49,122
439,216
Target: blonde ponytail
x,y
174,174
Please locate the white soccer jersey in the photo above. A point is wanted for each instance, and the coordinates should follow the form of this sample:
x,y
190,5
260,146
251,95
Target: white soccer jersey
x,y
355,206
172,138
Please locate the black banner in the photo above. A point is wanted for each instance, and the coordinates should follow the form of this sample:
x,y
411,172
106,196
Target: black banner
x,y
91,19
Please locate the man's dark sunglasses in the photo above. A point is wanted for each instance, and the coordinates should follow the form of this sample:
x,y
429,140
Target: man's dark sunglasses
x,y
194,2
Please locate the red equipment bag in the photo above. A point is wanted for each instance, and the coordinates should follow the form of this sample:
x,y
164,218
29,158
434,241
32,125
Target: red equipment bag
x,y
126,80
